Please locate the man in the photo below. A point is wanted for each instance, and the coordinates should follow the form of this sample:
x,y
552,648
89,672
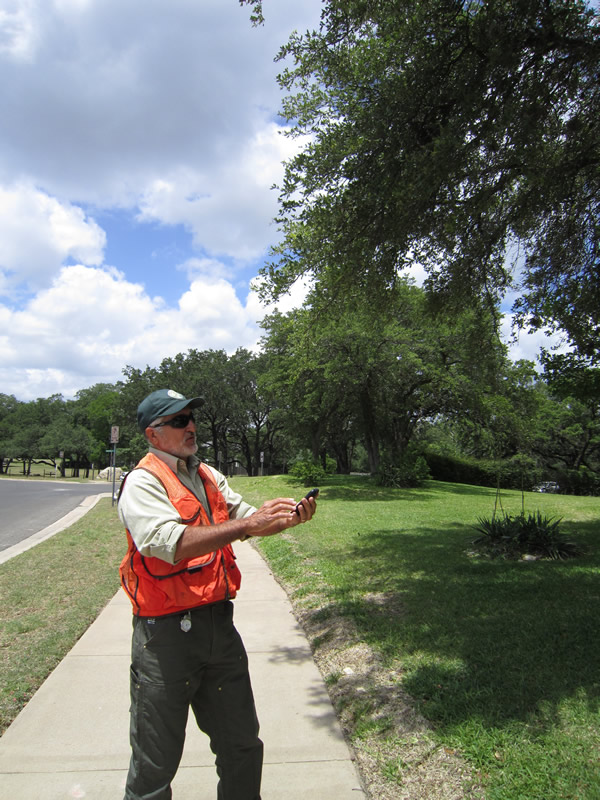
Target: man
x,y
179,572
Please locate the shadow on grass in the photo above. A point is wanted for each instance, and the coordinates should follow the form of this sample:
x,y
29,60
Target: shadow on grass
x,y
492,641
360,489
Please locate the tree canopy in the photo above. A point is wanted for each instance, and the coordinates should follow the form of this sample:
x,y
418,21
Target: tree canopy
x,y
345,384
349,371
461,136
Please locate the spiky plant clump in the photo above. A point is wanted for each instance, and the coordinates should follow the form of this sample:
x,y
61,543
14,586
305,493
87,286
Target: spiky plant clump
x,y
514,536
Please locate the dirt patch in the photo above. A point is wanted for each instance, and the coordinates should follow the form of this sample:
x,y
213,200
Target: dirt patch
x,y
399,759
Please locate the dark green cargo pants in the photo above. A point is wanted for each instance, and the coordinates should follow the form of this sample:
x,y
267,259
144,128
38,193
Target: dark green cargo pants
x,y
205,668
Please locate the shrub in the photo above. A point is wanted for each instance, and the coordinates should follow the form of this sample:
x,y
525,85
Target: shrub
x,y
360,459
408,471
580,481
307,471
330,465
512,473
515,536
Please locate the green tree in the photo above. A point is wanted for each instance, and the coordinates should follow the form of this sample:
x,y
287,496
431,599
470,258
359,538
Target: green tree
x,y
462,136
355,372
8,404
573,442
136,385
504,421
281,379
234,422
256,14
74,441
27,424
206,374
522,424
253,425
98,408
314,412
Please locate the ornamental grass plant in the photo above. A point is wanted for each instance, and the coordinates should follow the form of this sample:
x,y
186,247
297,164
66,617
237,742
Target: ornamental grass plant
x,y
534,535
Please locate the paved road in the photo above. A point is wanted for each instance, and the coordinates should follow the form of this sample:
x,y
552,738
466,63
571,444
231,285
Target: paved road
x,y
28,506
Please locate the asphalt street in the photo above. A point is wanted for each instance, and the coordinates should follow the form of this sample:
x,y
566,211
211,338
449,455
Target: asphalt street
x,y
28,506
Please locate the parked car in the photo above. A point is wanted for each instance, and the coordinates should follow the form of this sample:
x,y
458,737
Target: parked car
x,y
547,486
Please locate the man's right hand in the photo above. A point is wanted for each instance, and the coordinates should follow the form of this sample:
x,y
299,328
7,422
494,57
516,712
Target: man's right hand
x,y
276,515
272,517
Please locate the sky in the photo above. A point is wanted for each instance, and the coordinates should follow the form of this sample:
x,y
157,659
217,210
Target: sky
x,y
139,144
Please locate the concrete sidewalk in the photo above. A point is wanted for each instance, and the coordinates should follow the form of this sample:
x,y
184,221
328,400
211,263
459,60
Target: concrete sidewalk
x,y
71,740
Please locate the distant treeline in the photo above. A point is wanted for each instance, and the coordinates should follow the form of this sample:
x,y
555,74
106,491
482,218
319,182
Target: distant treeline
x,y
357,389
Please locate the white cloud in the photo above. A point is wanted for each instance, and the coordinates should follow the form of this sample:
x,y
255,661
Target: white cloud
x,y
38,233
229,206
117,96
525,345
17,30
204,267
293,299
92,322
166,110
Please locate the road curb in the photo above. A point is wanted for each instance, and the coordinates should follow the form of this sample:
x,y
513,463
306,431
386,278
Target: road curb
x,y
64,522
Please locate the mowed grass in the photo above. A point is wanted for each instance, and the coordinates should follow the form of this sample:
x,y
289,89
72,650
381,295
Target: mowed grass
x,y
503,658
49,596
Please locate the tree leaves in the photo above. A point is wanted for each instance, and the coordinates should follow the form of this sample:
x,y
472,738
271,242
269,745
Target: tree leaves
x,y
444,134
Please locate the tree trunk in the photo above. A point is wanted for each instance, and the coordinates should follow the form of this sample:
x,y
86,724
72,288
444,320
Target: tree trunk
x,y
343,458
315,444
215,444
370,431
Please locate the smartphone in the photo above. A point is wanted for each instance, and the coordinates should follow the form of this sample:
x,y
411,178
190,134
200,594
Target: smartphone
x,y
312,493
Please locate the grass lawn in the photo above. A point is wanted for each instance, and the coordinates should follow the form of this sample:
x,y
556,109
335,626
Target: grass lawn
x,y
500,660
49,596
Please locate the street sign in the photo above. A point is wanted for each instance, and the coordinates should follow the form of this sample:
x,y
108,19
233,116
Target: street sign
x,y
114,434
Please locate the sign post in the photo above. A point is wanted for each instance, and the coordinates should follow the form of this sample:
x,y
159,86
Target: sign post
x,y
114,438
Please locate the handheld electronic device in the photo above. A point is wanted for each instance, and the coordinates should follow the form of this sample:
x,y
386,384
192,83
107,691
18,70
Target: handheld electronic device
x,y
308,495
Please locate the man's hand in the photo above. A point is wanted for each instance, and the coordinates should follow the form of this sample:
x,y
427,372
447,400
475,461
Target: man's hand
x,y
272,517
276,515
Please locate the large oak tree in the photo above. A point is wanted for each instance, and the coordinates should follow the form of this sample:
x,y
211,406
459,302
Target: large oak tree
x,y
460,135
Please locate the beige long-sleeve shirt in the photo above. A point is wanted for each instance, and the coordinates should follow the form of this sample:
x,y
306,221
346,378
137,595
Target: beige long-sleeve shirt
x,y
152,520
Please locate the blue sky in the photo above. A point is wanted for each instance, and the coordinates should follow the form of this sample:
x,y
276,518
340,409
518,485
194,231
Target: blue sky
x,y
149,252
138,145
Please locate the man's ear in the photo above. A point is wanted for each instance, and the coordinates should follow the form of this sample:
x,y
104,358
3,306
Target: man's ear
x,y
151,435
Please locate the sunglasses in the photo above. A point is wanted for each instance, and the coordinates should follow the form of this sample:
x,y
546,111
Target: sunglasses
x,y
180,421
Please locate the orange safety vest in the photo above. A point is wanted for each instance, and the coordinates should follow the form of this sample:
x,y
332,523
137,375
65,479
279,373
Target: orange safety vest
x,y
157,588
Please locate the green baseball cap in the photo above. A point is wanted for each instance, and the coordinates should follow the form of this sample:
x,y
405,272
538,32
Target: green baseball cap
x,y
162,403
